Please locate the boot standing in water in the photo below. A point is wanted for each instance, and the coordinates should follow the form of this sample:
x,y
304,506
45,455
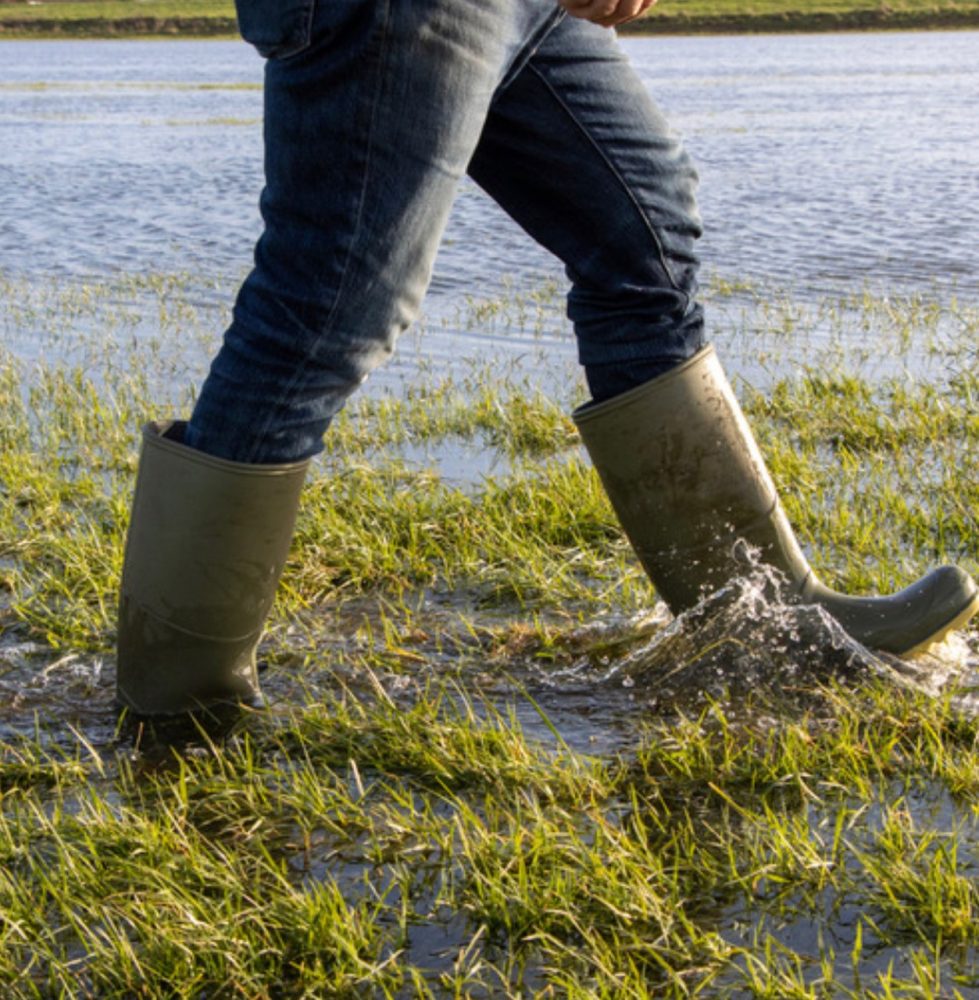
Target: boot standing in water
x,y
373,113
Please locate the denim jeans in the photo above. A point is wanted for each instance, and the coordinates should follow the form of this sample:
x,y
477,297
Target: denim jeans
x,y
374,110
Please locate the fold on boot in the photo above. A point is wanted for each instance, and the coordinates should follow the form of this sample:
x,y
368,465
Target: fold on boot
x,y
207,542
688,483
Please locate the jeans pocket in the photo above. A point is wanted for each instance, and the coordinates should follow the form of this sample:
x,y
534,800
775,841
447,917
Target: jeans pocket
x,y
277,28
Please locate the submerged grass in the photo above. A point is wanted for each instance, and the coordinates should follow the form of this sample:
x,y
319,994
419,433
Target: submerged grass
x,y
366,848
414,823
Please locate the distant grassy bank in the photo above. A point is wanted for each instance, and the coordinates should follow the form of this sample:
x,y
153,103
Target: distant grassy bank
x,y
116,18
214,18
733,16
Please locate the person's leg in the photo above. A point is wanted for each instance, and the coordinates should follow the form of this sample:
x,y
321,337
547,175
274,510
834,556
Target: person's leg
x,y
373,110
575,150
367,131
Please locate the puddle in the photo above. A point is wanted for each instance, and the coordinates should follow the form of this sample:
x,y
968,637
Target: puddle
x,y
744,645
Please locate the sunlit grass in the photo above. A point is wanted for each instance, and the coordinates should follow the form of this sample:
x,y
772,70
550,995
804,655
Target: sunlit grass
x,y
394,828
111,9
754,7
109,17
96,18
782,15
308,852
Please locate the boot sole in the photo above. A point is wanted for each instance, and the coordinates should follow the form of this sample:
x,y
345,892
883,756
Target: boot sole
x,y
953,624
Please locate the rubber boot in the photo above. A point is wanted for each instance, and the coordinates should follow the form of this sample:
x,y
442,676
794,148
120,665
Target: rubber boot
x,y
687,482
207,543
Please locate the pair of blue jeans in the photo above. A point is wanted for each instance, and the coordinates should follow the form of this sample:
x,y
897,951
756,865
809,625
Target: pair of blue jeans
x,y
374,111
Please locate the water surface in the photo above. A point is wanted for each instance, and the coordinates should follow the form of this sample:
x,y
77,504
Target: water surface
x,y
827,162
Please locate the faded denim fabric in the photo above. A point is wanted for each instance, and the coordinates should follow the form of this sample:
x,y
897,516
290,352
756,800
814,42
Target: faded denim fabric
x,y
374,110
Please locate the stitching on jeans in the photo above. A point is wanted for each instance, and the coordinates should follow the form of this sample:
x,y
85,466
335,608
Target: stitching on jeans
x,y
303,366
618,176
310,15
530,48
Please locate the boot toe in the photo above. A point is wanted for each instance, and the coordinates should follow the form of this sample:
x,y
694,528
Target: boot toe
x,y
910,622
952,600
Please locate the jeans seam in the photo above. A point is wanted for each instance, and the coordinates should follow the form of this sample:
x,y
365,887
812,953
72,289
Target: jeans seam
x,y
310,17
531,47
303,366
596,146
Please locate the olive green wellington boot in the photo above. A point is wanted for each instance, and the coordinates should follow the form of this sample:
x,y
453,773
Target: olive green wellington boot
x,y
687,481
207,542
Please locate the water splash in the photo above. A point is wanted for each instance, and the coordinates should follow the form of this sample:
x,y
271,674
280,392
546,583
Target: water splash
x,y
950,667
37,687
752,637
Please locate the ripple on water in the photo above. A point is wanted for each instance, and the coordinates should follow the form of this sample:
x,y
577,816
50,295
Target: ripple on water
x,y
40,687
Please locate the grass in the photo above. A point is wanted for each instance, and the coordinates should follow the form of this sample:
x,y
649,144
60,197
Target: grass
x,y
795,15
109,18
115,9
423,812
316,852
97,18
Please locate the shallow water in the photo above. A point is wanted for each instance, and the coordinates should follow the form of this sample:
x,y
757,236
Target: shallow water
x,y
828,162
749,646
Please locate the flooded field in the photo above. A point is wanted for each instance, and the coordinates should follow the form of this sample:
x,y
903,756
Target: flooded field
x,y
828,163
491,765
